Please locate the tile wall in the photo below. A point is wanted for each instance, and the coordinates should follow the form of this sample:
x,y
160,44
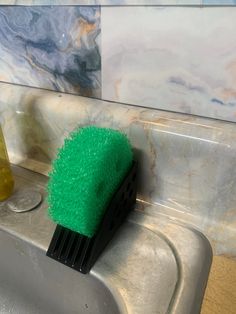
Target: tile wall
x,y
181,59
55,48
187,164
119,2
178,59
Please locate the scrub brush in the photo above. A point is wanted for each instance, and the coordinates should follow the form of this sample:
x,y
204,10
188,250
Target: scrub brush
x,y
91,189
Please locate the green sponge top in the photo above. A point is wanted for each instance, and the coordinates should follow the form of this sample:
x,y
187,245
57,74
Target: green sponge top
x,y
87,171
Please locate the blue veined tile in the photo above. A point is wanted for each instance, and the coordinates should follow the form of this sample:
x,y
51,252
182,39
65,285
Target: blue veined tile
x,y
219,2
52,47
102,2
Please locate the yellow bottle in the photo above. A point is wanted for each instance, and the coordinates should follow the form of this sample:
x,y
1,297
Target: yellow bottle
x,y
6,178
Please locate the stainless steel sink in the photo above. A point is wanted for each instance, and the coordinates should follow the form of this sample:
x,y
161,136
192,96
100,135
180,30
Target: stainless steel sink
x,y
153,265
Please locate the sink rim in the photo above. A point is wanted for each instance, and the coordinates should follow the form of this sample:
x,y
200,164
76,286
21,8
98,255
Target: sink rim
x,y
160,226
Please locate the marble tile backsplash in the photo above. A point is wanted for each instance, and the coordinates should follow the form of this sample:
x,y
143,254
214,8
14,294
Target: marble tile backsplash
x,y
187,165
119,2
219,2
56,48
102,2
180,59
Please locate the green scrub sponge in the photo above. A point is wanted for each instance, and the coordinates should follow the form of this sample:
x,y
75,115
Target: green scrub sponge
x,y
87,171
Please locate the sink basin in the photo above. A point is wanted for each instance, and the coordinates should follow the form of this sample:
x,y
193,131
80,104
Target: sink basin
x,y
153,265
31,283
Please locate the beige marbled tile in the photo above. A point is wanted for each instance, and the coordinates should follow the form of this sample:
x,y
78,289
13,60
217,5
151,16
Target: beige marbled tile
x,y
187,164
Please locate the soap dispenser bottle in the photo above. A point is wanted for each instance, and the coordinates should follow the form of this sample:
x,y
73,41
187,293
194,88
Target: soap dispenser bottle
x,y
6,178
